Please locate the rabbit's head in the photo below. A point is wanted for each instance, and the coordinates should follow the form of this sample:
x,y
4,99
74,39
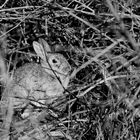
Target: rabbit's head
x,y
52,62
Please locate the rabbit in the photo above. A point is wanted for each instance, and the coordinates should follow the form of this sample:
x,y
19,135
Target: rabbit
x,y
39,83
46,80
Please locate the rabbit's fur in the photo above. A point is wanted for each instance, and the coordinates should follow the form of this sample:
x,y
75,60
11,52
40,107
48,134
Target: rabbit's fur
x,y
39,82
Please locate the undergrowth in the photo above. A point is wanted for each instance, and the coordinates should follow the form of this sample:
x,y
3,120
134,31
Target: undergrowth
x,y
100,39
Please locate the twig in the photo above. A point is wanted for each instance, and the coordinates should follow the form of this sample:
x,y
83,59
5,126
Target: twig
x,y
4,4
123,29
96,57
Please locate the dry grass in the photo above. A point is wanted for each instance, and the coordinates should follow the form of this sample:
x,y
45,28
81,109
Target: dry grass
x,y
100,39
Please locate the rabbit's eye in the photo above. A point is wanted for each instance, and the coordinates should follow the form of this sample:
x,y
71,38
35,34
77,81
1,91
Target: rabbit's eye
x,y
54,61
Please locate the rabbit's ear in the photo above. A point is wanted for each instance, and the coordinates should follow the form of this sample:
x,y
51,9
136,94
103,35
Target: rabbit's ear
x,y
45,45
39,50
